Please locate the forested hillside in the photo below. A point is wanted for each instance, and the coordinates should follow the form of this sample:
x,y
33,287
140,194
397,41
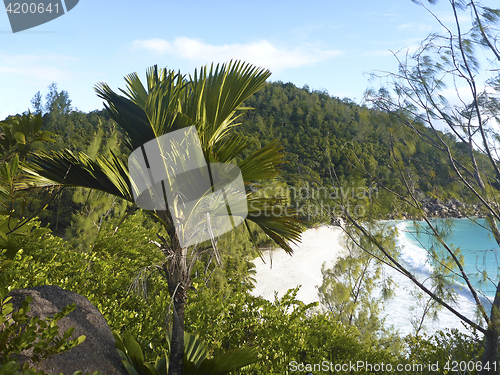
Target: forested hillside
x,y
319,131
319,134
103,248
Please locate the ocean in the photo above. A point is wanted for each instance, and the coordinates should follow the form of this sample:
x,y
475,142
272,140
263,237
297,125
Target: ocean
x,y
324,245
480,253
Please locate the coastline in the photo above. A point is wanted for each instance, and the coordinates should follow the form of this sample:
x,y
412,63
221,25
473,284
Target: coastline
x,y
436,208
281,271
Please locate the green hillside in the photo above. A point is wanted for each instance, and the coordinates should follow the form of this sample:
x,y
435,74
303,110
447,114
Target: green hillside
x,y
323,137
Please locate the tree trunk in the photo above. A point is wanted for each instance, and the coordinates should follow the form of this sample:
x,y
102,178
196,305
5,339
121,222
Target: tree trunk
x,y
491,338
176,359
179,281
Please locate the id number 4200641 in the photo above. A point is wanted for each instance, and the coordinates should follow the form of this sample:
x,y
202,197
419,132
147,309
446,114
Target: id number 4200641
x,y
456,366
23,8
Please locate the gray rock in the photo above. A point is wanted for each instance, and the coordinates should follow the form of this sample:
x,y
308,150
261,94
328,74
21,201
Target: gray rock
x,y
96,353
437,201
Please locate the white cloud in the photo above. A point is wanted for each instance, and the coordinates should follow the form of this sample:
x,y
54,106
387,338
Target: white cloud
x,y
262,53
42,68
405,26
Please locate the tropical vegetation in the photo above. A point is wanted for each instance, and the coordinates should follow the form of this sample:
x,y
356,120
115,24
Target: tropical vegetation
x,y
70,216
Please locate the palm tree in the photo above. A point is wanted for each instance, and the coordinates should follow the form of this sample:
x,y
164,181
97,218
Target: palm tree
x,y
211,100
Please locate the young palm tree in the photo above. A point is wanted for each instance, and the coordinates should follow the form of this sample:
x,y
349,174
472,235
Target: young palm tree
x,y
210,100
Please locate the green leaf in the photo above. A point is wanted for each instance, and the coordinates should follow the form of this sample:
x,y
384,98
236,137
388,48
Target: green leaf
x,y
119,342
7,309
161,365
20,137
134,351
80,339
229,361
195,349
10,368
37,123
15,164
130,369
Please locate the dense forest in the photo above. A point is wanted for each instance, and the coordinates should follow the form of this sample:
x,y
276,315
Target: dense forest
x,y
247,167
71,241
318,133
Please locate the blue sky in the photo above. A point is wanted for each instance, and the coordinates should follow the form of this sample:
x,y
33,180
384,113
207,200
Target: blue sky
x,y
328,45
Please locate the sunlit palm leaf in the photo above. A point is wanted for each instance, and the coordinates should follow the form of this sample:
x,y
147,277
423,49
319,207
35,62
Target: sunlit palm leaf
x,y
228,150
162,106
215,95
135,90
195,349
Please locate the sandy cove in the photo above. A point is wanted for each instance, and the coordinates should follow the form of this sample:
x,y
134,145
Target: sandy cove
x,y
326,244
282,271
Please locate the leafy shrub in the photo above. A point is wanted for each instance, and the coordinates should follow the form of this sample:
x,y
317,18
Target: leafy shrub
x,y
21,333
104,275
445,347
196,358
285,330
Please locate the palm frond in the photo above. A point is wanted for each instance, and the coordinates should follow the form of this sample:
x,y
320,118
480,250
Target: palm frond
x,y
264,163
215,94
135,90
227,150
69,169
128,115
276,220
162,106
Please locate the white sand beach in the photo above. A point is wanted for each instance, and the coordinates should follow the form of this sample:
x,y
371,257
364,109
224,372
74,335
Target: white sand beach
x,y
282,272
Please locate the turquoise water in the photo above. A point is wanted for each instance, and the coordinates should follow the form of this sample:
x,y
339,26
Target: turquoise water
x,y
476,244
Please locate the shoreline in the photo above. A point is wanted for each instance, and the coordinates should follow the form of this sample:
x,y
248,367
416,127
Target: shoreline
x,y
326,243
452,208
282,272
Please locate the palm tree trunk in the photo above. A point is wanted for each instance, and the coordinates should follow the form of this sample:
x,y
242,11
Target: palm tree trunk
x,y
177,343
179,281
